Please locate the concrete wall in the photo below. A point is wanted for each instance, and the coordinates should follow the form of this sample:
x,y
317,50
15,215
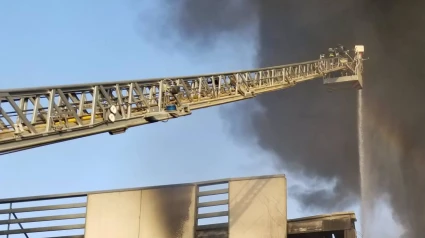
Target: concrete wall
x,y
113,215
167,212
257,208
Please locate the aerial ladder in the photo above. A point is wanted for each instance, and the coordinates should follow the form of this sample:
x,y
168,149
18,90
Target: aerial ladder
x,y
33,117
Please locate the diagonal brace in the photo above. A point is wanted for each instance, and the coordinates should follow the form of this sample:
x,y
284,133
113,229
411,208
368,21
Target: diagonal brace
x,y
21,115
70,108
20,225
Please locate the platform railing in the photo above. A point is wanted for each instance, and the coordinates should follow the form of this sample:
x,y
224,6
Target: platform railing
x,y
49,216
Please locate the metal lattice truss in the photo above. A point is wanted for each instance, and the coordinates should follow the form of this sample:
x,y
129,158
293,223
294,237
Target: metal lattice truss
x,y
40,116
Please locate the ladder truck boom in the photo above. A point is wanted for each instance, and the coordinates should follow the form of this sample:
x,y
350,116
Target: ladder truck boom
x,y
32,117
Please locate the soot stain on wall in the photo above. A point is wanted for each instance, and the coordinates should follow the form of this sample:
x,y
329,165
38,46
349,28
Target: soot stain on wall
x,y
174,204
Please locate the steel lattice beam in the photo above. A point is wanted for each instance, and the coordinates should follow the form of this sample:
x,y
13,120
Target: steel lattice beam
x,y
40,116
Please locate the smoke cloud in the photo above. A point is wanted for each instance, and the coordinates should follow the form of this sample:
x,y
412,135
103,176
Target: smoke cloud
x,y
315,132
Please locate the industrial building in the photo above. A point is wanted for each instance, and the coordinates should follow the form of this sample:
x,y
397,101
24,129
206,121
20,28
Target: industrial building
x,y
250,207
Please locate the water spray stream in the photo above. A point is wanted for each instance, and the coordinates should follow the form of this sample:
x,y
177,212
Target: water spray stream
x,y
366,196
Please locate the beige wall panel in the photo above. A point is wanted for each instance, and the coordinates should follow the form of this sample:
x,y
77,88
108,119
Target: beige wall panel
x,y
168,212
113,215
257,208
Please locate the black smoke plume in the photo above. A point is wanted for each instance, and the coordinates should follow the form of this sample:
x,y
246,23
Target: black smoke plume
x,y
315,132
